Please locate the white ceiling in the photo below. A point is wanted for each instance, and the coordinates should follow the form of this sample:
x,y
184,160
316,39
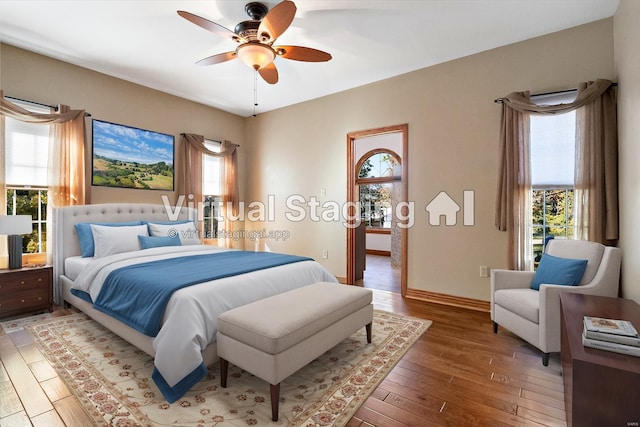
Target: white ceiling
x,y
146,42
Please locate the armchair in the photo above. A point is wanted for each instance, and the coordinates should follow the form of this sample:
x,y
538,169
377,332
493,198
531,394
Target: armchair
x,y
534,315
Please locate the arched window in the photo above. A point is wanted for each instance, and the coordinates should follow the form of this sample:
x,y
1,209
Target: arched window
x,y
377,170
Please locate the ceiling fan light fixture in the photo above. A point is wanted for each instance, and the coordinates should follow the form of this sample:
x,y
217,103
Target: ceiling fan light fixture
x,y
256,55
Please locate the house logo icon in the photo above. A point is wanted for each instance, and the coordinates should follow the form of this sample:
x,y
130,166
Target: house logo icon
x,y
445,206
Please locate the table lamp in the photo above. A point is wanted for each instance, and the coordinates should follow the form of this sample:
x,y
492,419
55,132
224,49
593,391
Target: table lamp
x,y
14,226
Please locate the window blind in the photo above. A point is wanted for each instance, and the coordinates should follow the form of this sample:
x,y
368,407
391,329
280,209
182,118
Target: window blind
x,y
211,182
26,151
552,144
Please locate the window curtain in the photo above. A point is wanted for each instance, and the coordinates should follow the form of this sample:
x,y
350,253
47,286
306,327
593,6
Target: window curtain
x,y
596,194
513,205
66,157
3,187
66,178
190,182
231,195
596,170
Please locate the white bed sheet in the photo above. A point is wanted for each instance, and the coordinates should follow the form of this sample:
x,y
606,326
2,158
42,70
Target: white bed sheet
x,y
190,319
74,265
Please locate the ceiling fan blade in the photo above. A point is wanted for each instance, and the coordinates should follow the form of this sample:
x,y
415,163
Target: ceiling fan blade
x,y
277,21
217,59
300,53
211,26
269,73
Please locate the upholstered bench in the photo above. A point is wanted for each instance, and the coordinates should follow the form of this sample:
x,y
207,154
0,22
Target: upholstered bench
x,y
274,337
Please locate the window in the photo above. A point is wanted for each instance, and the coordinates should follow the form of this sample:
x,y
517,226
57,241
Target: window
x,y
553,217
26,156
211,189
375,205
552,148
375,179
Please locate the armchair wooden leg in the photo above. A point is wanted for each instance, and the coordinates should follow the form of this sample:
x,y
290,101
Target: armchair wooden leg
x,y
545,359
495,327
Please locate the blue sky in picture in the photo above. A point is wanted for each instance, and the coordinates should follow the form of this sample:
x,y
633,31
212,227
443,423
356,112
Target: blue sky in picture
x,y
129,144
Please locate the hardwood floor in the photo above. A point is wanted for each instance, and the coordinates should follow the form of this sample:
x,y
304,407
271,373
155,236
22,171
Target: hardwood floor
x,y
458,373
31,393
378,274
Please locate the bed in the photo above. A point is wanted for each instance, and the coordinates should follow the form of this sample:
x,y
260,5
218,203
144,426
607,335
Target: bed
x,y
183,344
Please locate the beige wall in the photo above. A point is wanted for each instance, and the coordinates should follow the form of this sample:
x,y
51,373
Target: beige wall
x,y
453,147
627,61
38,78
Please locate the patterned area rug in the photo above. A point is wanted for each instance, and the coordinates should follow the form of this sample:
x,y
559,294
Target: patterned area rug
x,y
17,324
112,379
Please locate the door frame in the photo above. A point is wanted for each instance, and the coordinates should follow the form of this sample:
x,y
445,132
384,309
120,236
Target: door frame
x,y
352,197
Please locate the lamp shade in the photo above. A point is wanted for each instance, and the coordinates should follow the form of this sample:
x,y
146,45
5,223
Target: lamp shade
x,y
15,224
256,55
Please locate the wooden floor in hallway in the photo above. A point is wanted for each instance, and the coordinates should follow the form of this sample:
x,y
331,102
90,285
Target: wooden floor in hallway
x,y
379,274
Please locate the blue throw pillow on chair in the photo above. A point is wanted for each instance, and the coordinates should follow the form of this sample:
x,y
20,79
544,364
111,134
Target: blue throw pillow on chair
x,y
558,271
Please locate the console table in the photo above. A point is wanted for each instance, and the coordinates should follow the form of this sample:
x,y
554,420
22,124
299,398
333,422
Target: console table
x,y
601,388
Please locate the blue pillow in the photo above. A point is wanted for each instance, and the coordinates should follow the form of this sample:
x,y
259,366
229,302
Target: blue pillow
x,y
85,235
147,242
558,271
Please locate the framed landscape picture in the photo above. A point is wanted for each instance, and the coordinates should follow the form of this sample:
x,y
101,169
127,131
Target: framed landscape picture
x,y
128,157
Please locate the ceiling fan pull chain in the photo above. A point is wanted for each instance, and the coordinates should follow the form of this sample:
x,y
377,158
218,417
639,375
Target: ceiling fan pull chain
x,y
255,91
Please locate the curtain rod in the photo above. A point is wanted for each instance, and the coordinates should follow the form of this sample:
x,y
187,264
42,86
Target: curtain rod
x,y
54,107
557,92
210,139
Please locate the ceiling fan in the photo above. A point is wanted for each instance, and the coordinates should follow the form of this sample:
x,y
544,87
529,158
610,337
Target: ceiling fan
x,y
255,39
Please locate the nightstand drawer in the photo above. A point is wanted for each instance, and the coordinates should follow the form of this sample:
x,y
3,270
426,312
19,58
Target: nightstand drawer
x,y
31,299
26,290
12,282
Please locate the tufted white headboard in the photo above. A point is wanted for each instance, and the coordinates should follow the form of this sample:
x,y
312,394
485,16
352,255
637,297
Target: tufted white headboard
x,y
66,241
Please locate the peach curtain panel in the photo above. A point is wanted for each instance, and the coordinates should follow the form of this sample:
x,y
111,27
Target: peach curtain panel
x,y
190,182
596,167
66,157
66,178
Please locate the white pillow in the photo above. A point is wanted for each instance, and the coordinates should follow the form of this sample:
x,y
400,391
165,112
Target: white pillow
x,y
108,241
186,231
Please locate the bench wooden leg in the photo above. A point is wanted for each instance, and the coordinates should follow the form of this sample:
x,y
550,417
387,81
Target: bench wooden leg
x,y
275,401
368,327
224,369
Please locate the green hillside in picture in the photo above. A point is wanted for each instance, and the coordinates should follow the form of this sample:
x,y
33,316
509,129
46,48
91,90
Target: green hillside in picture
x,y
117,173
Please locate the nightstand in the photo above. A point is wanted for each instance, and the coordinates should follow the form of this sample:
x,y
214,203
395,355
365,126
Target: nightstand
x,y
26,290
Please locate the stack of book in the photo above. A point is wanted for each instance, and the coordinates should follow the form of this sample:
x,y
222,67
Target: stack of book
x,y
612,335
